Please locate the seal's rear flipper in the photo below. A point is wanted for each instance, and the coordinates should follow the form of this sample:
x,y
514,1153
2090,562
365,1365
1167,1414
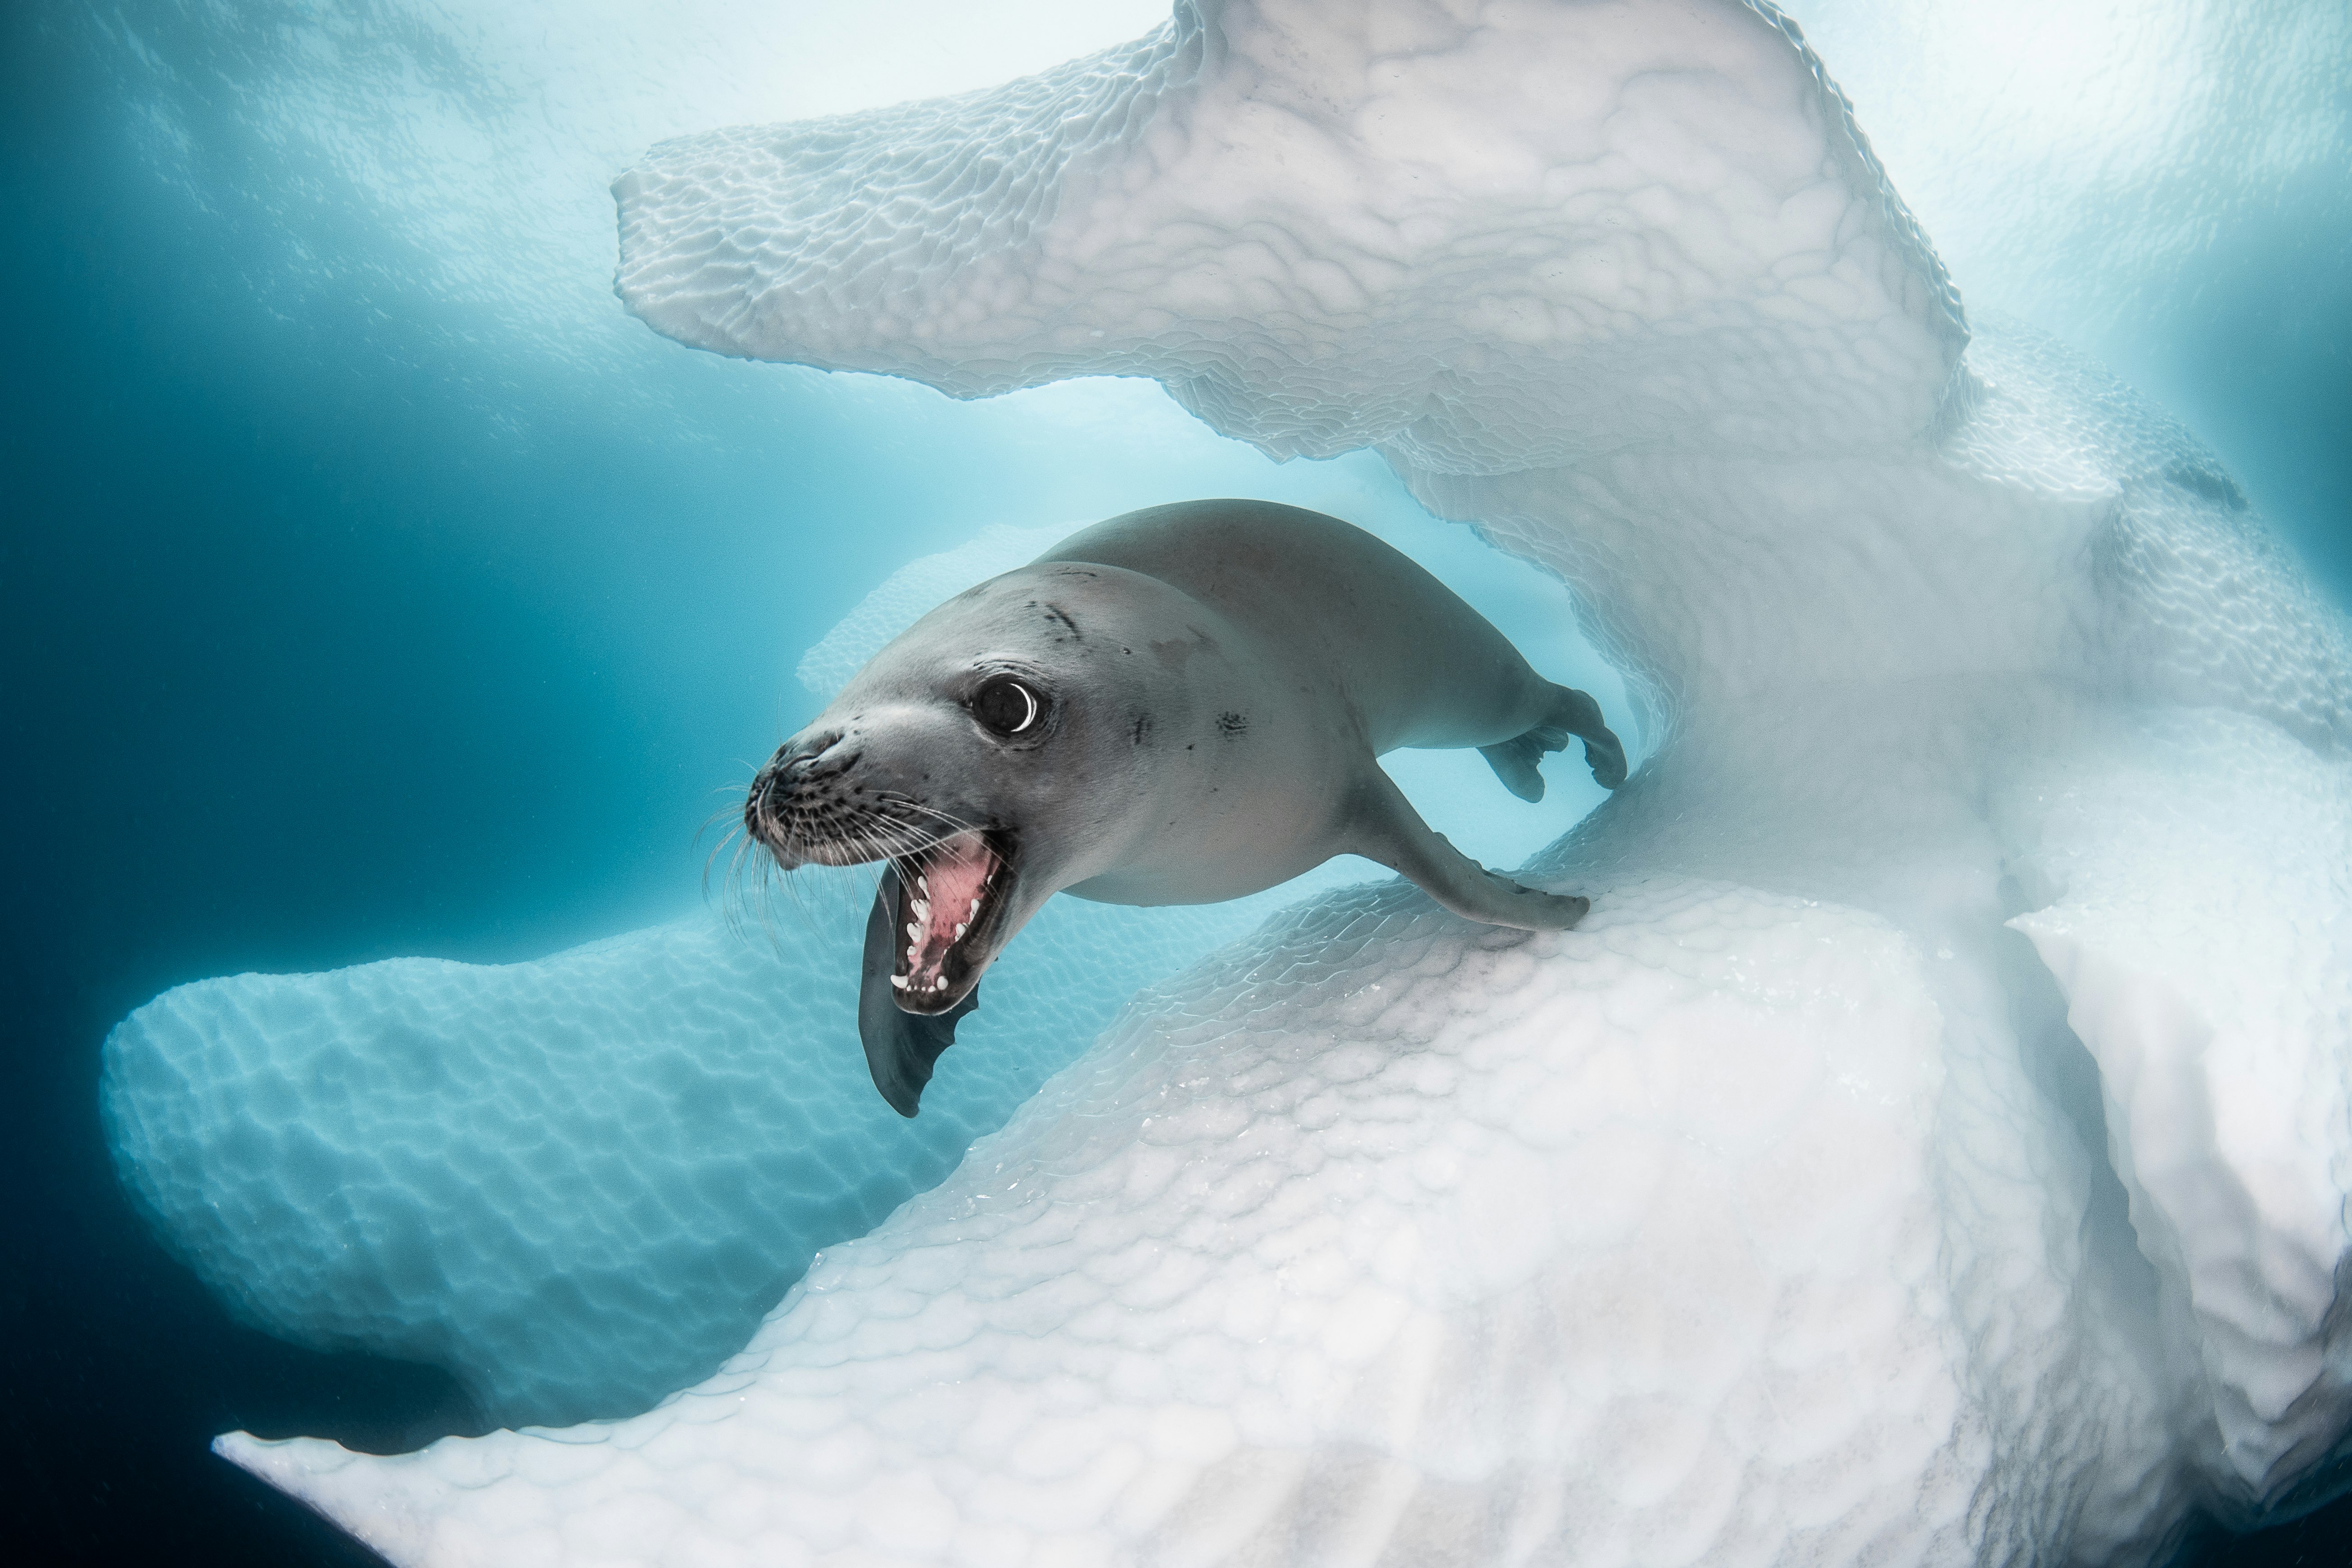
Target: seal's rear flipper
x,y
1573,714
901,1047
1382,825
1515,761
1579,715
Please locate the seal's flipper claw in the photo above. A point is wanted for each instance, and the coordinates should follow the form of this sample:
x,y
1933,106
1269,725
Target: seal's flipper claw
x,y
901,1047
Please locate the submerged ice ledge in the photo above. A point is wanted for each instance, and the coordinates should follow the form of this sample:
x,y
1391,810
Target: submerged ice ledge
x,y
1934,1148
575,1183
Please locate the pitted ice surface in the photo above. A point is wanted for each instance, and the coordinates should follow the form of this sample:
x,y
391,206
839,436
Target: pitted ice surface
x,y
577,1183
1932,1148
1624,1245
1492,235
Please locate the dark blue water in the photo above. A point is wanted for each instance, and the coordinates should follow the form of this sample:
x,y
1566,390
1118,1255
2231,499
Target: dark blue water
x,y
348,612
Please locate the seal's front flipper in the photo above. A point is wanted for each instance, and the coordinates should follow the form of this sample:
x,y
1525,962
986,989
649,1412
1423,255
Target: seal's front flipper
x,y
1382,825
901,1047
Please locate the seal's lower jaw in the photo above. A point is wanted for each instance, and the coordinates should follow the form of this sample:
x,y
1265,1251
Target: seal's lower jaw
x,y
952,904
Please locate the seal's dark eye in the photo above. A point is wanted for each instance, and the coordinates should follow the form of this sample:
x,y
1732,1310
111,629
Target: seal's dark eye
x,y
1006,707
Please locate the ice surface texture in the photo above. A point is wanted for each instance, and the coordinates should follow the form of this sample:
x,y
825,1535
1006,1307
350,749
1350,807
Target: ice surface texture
x,y
578,1183
1486,242
1932,1148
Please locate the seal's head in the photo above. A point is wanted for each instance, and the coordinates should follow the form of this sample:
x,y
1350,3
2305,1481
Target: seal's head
x,y
999,750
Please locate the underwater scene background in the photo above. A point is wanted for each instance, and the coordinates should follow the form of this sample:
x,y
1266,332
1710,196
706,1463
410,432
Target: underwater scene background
x,y
372,585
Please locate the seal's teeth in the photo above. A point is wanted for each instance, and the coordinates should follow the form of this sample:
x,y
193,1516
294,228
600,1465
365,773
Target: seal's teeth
x,y
900,981
924,883
914,931
940,984
911,955
960,931
923,907
974,910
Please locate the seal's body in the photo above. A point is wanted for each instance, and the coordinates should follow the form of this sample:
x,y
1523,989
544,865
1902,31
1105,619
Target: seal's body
x,y
1180,705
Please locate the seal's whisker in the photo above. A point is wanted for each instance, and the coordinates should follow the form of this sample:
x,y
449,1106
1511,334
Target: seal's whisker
x,y
893,842
781,830
916,838
747,884
932,838
902,838
737,842
956,824
755,877
734,836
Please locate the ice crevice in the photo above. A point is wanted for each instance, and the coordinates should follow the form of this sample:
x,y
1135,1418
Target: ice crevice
x,y
1756,1220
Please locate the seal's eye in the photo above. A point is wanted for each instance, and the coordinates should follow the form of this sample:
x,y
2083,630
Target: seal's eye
x,y
1005,707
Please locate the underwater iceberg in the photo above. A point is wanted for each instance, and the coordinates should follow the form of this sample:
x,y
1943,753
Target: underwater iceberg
x,y
1935,1145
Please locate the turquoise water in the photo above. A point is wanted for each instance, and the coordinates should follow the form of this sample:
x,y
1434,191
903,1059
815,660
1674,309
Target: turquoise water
x,y
372,586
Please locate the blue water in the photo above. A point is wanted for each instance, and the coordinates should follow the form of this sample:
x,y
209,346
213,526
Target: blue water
x,y
370,585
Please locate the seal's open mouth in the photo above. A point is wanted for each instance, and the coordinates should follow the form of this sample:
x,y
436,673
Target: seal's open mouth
x,y
951,898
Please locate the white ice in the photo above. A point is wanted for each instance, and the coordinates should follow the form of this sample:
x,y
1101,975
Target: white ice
x,y
1932,1148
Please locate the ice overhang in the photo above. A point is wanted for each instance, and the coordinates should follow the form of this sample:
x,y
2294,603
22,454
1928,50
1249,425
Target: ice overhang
x,y
1485,237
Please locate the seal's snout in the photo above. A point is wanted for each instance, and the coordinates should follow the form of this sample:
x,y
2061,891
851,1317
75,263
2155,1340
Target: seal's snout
x,y
799,806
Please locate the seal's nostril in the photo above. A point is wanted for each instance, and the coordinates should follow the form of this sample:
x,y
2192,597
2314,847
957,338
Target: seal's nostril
x,y
807,757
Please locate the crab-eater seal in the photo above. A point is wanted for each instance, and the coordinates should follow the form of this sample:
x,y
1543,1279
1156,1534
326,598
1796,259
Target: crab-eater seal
x,y
1178,706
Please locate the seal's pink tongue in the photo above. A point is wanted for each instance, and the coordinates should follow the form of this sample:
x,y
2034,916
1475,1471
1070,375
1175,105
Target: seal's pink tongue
x,y
947,894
